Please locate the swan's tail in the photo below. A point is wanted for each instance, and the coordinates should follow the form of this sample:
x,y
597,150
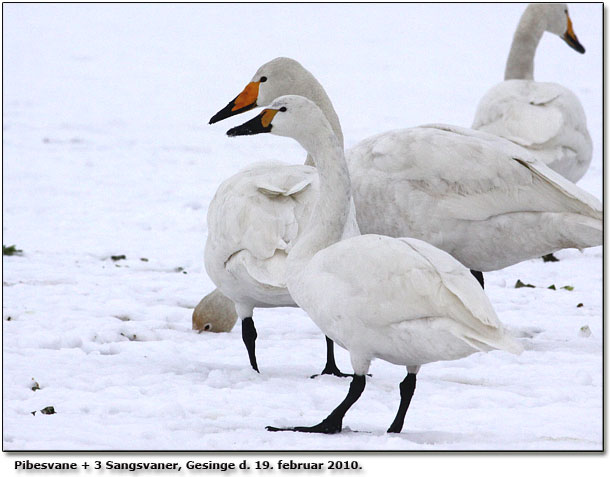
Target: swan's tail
x,y
495,339
580,231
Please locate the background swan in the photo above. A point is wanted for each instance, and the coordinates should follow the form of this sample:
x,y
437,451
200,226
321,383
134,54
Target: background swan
x,y
480,197
223,315
254,219
545,118
398,299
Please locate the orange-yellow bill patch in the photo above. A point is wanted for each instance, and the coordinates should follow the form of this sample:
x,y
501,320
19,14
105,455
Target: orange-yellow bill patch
x,y
267,116
570,30
247,97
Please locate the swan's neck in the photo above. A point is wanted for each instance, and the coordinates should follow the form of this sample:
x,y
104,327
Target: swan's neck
x,y
309,87
330,211
520,63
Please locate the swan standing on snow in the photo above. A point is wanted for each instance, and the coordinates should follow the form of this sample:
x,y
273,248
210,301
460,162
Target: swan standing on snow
x,y
545,118
477,196
254,219
398,299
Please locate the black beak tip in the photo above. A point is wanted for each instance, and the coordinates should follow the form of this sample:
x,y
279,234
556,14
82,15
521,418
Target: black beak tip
x,y
249,128
579,48
228,111
222,114
574,44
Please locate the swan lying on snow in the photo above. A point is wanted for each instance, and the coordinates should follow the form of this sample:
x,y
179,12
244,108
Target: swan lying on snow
x,y
398,299
479,197
545,118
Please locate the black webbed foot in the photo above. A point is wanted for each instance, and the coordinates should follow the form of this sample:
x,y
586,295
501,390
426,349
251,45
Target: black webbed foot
x,y
332,424
331,367
327,426
333,370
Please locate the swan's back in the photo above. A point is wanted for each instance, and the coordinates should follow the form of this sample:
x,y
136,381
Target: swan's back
x,y
461,190
262,207
546,118
254,219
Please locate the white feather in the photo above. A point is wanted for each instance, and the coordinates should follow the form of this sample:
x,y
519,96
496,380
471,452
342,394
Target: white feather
x,y
545,118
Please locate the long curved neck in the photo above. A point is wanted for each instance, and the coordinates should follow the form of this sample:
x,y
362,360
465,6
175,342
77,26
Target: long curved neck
x,y
520,63
330,211
309,87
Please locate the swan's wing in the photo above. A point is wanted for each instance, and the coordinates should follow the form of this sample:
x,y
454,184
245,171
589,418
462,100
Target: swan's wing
x,y
282,184
405,279
458,280
257,214
385,283
459,296
452,173
270,271
522,183
588,204
525,112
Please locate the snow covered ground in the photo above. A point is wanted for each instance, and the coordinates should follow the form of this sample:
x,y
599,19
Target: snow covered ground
x,y
107,152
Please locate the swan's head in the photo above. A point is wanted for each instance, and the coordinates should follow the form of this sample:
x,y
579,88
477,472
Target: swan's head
x,y
292,116
214,313
556,19
275,78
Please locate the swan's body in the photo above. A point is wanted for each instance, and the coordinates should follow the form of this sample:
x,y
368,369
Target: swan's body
x,y
253,221
398,299
545,118
481,198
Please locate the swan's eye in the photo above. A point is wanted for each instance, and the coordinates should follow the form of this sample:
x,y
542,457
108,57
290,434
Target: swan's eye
x,y
263,79
207,327
283,109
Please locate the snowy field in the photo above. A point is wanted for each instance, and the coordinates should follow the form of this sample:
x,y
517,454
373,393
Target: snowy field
x,y
107,152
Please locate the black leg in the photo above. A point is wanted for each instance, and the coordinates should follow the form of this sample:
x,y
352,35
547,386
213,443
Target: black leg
x,y
331,366
549,258
333,423
407,388
248,334
479,276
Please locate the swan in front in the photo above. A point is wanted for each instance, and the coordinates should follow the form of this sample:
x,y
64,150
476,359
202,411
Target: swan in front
x,y
397,299
254,219
545,118
477,196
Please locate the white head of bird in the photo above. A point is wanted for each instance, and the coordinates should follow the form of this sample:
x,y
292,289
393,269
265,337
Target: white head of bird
x,y
555,18
291,116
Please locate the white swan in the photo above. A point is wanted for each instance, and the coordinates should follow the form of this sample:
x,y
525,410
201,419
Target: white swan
x,y
545,118
479,197
398,299
253,221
